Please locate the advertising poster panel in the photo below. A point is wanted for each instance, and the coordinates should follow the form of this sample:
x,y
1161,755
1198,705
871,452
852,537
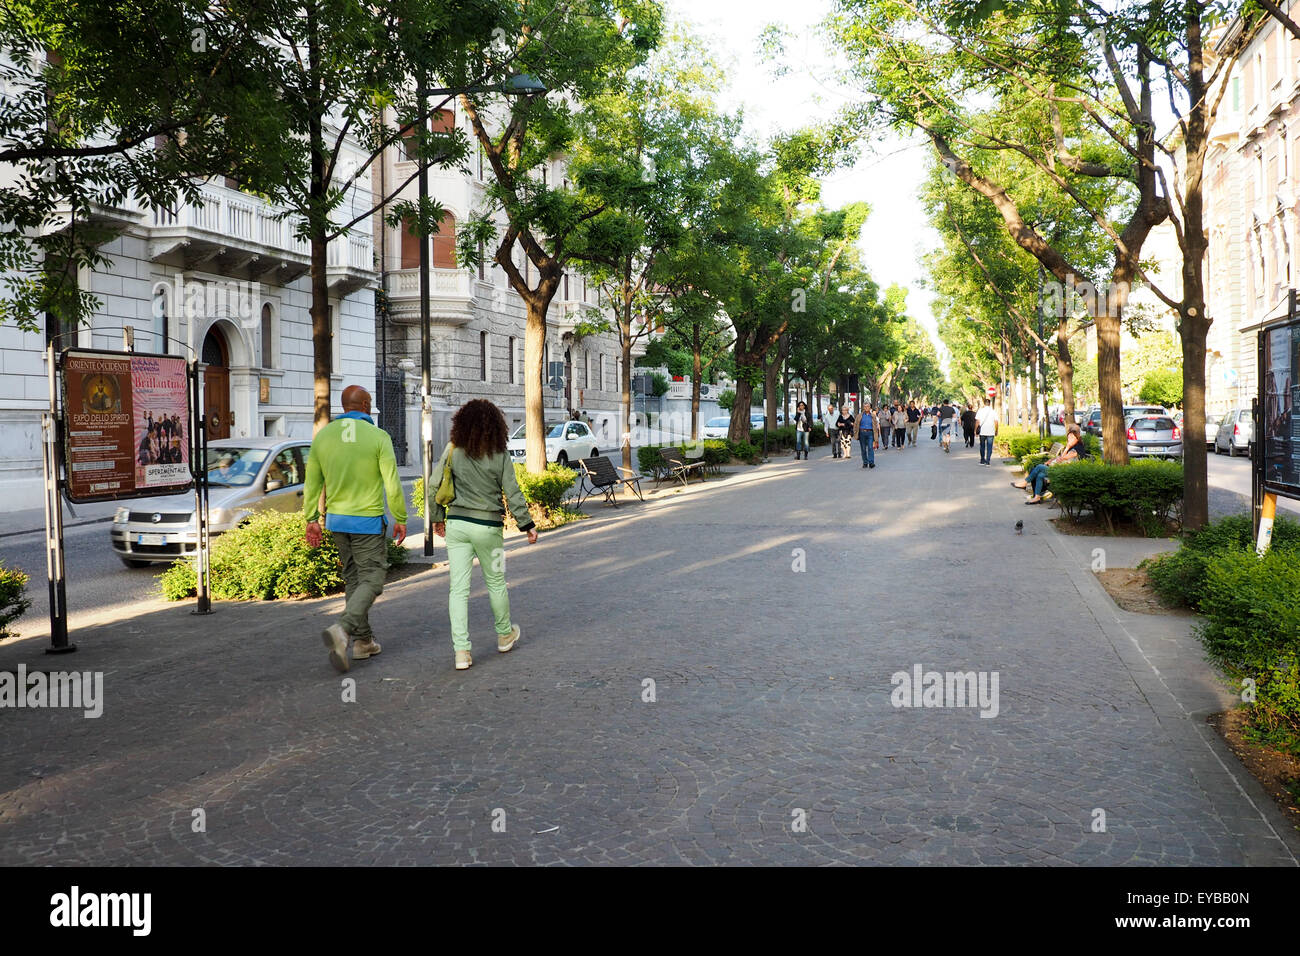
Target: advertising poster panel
x,y
126,425
1281,409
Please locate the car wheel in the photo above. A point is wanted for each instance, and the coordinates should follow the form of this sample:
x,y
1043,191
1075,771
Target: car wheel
x,y
594,452
1232,451
562,460
133,563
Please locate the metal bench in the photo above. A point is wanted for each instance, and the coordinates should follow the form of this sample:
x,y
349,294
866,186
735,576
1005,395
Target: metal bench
x,y
676,467
598,474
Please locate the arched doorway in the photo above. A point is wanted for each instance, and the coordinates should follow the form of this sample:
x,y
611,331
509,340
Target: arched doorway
x,y
216,385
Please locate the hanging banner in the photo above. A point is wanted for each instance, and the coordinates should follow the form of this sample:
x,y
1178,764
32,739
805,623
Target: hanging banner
x,y
126,421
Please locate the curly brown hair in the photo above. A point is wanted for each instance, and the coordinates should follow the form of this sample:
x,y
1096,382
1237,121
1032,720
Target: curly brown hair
x,y
479,429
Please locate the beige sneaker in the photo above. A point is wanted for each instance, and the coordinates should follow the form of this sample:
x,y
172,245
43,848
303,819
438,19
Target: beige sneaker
x,y
336,639
463,661
364,647
506,642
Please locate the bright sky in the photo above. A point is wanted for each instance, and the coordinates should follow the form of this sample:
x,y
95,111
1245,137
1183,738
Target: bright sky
x,y
886,177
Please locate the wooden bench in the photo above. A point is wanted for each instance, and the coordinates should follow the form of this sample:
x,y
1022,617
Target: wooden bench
x,y
676,467
598,474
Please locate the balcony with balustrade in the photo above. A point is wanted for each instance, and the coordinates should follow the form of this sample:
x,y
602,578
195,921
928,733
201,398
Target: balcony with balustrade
x,y
234,232
451,296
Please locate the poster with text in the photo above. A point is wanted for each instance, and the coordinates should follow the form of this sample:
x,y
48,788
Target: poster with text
x,y
126,425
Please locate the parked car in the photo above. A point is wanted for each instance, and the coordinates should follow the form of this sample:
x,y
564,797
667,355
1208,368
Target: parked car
x,y
1211,429
1153,436
1236,433
565,442
716,427
1092,424
245,476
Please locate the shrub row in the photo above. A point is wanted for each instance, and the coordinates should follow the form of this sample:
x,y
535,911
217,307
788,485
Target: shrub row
x,y
265,559
1180,576
716,452
13,599
1252,619
1147,493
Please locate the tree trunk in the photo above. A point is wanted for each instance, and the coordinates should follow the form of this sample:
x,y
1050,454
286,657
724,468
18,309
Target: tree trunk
x,y
739,428
697,371
1114,445
322,344
625,384
770,373
1065,368
534,354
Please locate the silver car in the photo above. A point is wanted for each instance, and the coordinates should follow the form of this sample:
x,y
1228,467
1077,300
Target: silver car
x,y
1236,433
245,476
1153,436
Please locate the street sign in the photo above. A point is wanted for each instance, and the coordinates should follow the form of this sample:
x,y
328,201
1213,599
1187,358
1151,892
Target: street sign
x,y
126,427
993,391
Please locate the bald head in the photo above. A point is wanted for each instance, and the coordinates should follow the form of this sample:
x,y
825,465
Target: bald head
x,y
356,399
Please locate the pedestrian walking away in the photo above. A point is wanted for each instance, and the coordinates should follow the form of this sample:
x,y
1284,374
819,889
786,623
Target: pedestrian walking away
x,y
946,414
968,425
473,523
803,425
987,421
844,424
352,460
913,423
867,437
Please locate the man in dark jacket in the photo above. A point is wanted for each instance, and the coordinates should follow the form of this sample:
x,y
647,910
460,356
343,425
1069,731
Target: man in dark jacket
x,y
968,425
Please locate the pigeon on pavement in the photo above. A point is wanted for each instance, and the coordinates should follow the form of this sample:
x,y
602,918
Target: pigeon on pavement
x,y
1020,527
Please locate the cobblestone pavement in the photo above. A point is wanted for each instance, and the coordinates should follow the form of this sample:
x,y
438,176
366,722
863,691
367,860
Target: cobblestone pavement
x,y
772,704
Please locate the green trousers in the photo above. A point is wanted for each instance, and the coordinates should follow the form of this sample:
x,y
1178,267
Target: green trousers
x,y
365,564
467,540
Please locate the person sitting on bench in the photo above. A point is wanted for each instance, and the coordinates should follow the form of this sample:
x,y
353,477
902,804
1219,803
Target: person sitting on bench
x,y
1036,480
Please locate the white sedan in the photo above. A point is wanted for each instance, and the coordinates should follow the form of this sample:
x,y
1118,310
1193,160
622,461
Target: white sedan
x,y
565,442
716,427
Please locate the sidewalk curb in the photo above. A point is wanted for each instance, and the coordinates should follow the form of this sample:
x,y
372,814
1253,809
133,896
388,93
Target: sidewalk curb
x,y
41,530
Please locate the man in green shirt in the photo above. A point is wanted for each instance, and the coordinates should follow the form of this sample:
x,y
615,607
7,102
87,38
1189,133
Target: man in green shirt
x,y
352,462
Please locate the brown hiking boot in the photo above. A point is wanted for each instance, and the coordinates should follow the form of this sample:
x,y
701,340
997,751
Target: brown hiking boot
x,y
364,647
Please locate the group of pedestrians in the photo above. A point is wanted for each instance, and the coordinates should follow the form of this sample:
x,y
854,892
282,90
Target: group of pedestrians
x,y
352,471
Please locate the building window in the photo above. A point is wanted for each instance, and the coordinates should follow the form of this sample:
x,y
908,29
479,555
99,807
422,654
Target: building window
x,y
410,245
482,265
600,369
1236,94
161,334
444,243
443,121
483,356
268,339
566,287
511,356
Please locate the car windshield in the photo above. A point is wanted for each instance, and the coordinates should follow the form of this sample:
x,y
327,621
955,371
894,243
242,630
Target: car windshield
x,y
235,467
554,431
717,422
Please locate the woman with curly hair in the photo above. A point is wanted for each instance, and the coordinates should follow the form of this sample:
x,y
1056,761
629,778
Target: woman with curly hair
x,y
473,524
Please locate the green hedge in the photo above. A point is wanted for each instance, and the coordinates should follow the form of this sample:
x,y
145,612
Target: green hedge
x,y
1147,493
717,452
265,559
1252,630
13,599
1180,576
547,490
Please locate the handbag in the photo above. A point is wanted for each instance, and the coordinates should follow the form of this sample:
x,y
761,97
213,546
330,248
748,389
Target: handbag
x,y
934,432
446,493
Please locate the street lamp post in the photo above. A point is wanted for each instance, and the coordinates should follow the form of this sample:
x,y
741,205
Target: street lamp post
x,y
518,85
